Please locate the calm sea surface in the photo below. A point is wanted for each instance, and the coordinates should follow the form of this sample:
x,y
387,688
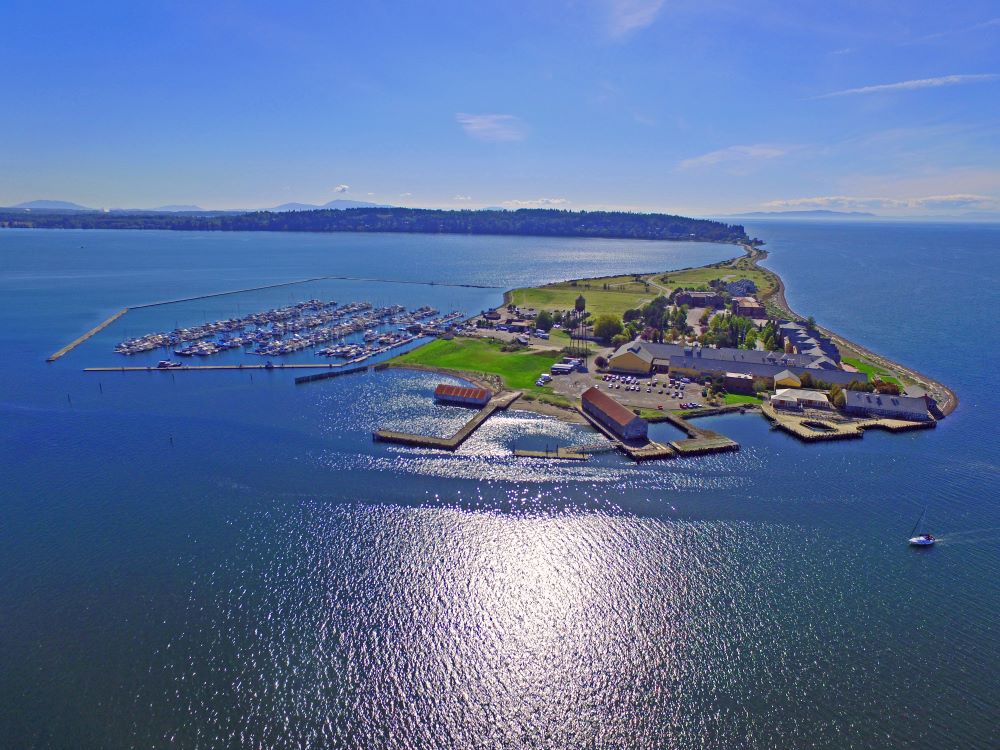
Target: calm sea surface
x,y
223,559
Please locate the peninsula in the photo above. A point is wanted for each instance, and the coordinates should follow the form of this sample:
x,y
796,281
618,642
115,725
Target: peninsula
x,y
671,346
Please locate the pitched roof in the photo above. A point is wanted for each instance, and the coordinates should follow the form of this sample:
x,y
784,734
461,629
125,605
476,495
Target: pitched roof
x,y
611,408
458,391
802,393
901,404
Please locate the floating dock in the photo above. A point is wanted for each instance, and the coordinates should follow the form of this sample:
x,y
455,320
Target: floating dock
x,y
499,402
559,454
92,332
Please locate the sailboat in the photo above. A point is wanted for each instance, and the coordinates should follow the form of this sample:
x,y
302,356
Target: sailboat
x,y
921,540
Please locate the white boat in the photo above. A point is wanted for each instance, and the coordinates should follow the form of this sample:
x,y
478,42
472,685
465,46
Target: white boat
x,y
921,540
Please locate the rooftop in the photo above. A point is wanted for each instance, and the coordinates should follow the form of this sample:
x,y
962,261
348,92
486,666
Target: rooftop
x,y
459,391
612,409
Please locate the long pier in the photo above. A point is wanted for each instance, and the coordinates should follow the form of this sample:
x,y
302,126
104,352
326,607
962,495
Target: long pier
x,y
92,332
188,368
499,402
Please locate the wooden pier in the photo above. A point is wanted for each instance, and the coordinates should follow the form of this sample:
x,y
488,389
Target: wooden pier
x,y
92,332
499,402
699,442
833,427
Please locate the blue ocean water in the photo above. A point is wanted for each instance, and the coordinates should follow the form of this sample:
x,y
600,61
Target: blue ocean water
x,y
223,559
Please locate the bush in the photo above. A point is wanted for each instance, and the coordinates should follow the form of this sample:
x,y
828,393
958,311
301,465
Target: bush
x,y
607,327
601,362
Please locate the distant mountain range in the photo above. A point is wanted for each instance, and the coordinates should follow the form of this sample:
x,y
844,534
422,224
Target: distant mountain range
x,y
52,206
338,204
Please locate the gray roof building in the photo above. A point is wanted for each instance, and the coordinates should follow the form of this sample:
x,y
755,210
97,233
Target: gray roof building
x,y
881,405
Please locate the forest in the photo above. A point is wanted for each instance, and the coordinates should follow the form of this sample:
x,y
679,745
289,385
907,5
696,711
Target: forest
x,y
525,221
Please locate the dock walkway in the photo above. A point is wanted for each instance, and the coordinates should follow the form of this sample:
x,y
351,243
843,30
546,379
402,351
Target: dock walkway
x,y
559,454
92,332
699,442
499,402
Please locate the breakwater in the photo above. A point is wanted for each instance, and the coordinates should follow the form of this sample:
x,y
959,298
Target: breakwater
x,y
93,331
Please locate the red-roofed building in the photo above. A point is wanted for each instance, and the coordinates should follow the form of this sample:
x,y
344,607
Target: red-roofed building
x,y
462,395
617,418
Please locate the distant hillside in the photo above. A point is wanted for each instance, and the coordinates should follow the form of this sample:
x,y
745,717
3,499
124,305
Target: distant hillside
x,y
335,205
819,213
52,206
526,221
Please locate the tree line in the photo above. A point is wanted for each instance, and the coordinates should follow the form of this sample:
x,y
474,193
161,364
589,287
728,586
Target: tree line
x,y
525,221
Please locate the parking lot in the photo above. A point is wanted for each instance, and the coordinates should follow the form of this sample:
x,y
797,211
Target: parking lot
x,y
656,392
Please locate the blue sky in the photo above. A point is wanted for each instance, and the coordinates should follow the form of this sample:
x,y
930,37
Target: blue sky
x,y
694,107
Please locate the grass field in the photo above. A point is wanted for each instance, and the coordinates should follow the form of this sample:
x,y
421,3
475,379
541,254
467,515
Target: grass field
x,y
871,370
738,398
624,292
518,369
699,277
563,296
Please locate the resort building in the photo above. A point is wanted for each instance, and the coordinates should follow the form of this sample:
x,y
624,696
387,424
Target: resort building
x,y
612,415
865,404
698,299
644,358
748,307
462,395
798,399
807,341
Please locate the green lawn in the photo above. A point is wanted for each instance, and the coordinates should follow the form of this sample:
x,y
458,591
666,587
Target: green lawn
x,y
563,297
699,277
518,369
871,370
737,398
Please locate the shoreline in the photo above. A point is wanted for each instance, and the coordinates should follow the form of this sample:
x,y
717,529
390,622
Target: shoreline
x,y
946,398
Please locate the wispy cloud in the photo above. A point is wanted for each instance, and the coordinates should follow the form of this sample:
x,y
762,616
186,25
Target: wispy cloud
x,y
492,127
861,203
918,83
988,24
626,16
461,197
737,154
341,188
537,203
405,195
